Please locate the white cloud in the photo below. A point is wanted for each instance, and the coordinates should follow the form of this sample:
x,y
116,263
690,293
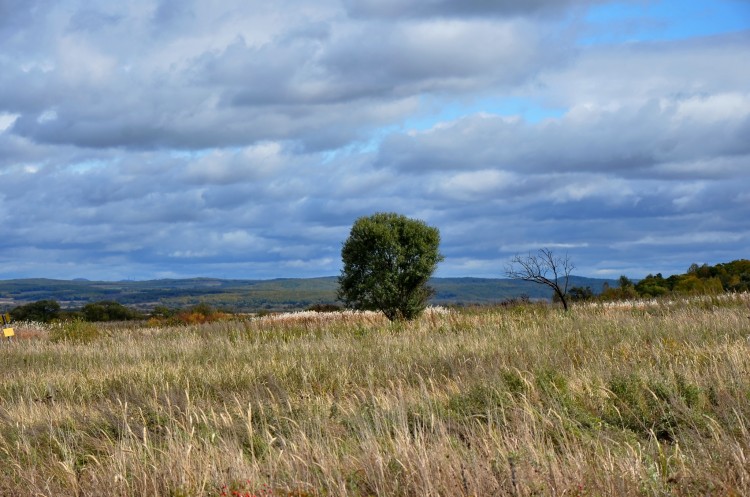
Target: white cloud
x,y
7,120
532,246
702,238
235,138
81,64
46,116
720,108
232,166
475,185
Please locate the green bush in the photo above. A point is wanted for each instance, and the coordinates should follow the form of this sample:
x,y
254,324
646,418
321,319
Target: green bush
x,y
43,311
388,260
108,311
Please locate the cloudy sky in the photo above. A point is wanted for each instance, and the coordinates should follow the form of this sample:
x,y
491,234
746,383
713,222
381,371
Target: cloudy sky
x,y
146,139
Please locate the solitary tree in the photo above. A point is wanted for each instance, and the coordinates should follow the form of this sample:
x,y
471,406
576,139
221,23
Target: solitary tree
x,y
388,259
544,268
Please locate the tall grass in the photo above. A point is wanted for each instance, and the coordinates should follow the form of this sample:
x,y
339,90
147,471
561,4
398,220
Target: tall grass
x,y
643,399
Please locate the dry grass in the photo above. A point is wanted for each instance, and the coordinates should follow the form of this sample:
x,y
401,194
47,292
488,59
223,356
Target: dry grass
x,y
646,399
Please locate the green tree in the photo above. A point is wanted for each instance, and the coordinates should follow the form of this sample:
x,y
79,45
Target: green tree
x,y
652,286
43,311
625,282
690,284
107,310
388,260
578,294
625,290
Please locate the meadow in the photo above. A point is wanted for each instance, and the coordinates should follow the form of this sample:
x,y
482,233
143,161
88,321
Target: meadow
x,y
635,398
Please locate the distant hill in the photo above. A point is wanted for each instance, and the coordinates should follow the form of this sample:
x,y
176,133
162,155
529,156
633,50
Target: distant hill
x,y
250,295
485,290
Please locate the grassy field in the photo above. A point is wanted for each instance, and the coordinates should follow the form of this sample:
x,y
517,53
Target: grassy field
x,y
632,399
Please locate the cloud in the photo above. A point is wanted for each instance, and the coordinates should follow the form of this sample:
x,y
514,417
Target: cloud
x,y
225,167
659,132
446,8
318,81
159,138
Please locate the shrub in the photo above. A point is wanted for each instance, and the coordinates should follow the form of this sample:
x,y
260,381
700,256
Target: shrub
x,y
76,331
107,310
42,311
325,308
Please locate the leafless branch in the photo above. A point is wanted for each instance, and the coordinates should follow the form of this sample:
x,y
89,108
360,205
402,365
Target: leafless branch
x,y
544,268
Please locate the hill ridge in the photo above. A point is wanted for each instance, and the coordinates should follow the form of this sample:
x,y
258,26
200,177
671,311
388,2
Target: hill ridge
x,y
254,294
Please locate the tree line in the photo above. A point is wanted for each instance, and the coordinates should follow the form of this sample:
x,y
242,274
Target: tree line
x,y
698,280
389,258
47,311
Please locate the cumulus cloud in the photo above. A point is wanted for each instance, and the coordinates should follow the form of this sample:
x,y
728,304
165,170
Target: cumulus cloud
x,y
627,141
151,138
193,78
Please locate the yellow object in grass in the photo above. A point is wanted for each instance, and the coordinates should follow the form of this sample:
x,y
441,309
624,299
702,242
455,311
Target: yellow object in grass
x,y
8,332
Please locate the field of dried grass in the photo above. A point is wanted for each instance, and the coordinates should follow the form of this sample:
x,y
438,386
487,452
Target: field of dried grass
x,y
648,398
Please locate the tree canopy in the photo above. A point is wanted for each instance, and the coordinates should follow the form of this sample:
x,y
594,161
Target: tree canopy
x,y
388,260
42,311
107,310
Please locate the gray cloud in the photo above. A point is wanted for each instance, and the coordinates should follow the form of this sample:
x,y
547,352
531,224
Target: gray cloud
x,y
690,126
676,137
448,8
314,82
149,139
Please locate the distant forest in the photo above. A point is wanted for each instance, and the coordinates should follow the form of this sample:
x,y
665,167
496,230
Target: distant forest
x,y
698,280
254,295
45,299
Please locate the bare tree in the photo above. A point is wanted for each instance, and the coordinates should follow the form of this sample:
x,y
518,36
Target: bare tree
x,y
545,268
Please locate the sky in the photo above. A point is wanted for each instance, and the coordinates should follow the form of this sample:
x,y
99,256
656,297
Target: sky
x,y
146,139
